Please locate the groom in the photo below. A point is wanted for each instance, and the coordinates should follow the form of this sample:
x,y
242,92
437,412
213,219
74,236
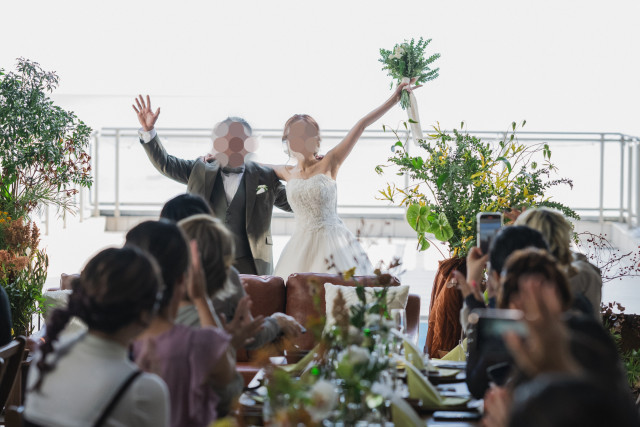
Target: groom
x,y
241,194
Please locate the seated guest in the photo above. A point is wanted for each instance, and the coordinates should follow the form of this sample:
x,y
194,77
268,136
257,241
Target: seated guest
x,y
89,377
508,240
591,345
584,278
194,362
217,251
5,318
564,388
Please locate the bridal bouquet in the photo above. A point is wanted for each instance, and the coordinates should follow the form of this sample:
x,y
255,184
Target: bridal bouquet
x,y
408,61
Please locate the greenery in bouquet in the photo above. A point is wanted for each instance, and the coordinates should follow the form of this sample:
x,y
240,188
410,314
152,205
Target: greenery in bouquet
x,y
408,60
457,175
42,146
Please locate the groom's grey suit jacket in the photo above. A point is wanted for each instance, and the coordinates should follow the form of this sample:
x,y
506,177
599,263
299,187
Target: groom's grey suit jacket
x,y
201,177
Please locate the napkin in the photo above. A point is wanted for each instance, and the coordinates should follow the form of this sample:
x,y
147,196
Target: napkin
x,y
421,388
403,414
413,354
458,353
298,367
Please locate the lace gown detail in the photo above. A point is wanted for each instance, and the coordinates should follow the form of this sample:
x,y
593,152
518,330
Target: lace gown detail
x,y
319,232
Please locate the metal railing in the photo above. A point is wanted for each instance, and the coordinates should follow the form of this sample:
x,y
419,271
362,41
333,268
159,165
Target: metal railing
x,y
615,156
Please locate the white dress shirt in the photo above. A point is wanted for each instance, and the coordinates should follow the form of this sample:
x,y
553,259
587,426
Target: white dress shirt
x,y
231,182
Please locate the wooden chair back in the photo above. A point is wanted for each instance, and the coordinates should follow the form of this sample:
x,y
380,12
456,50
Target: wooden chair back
x,y
12,355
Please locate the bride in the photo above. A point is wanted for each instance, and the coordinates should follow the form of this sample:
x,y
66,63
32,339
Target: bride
x,y
320,241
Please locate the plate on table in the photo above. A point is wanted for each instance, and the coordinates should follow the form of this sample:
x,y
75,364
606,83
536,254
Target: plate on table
x,y
421,409
448,364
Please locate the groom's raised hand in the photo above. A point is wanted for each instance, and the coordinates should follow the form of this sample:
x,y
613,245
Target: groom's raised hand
x,y
146,116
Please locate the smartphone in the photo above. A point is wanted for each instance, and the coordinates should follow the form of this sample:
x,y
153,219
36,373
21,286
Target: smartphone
x,y
488,225
491,324
456,415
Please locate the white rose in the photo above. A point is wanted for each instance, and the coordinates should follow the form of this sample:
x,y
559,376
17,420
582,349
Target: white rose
x,y
355,354
324,398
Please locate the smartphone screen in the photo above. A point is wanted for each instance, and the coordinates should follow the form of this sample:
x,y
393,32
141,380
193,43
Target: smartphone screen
x,y
488,224
492,326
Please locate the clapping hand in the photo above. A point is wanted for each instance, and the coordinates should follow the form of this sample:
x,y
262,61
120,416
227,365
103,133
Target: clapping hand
x,y
243,327
288,325
146,116
197,286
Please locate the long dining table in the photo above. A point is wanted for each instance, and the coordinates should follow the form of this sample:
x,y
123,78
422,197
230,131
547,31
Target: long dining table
x,y
251,411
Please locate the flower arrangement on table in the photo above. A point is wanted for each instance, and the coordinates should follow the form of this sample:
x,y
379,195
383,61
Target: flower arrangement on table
x,y
42,159
407,63
342,378
458,175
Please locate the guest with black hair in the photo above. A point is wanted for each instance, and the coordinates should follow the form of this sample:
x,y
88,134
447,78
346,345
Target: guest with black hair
x,y
508,240
89,378
184,206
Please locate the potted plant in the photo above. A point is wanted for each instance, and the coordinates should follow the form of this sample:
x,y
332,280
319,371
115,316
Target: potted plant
x,y
43,158
453,177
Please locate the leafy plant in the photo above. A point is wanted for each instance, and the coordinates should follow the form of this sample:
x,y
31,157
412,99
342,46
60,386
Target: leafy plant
x,y
458,175
42,146
408,60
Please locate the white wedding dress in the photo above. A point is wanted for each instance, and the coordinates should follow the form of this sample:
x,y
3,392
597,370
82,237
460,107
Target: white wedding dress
x,y
320,237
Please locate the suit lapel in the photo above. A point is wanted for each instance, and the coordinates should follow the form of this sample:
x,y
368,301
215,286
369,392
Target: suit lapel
x,y
251,184
210,176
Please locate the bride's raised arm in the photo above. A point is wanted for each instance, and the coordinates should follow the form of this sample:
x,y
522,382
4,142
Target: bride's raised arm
x,y
338,154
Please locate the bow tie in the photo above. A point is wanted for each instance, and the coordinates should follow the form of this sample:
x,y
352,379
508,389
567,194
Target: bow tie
x,y
229,171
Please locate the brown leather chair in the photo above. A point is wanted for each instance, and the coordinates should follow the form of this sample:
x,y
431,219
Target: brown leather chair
x,y
268,294
305,288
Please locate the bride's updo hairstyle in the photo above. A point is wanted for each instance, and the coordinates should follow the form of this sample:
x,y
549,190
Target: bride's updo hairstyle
x,y
216,247
113,290
310,128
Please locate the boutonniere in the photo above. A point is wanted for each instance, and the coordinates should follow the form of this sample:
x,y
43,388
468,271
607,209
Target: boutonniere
x,y
261,189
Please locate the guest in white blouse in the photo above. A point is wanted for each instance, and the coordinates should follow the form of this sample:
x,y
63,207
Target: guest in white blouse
x,y
88,379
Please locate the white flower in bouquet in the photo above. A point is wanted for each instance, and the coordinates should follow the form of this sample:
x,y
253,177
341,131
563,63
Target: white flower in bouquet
x,y
324,398
373,319
355,354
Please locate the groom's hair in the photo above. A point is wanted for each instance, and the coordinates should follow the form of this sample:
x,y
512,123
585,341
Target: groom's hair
x,y
233,119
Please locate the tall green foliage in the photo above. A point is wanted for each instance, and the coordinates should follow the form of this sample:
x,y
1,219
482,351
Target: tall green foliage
x,y
457,175
42,146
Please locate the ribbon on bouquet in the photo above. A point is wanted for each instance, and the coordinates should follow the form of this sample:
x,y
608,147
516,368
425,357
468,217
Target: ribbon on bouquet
x,y
412,114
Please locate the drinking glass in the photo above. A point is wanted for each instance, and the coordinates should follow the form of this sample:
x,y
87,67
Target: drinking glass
x,y
399,317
